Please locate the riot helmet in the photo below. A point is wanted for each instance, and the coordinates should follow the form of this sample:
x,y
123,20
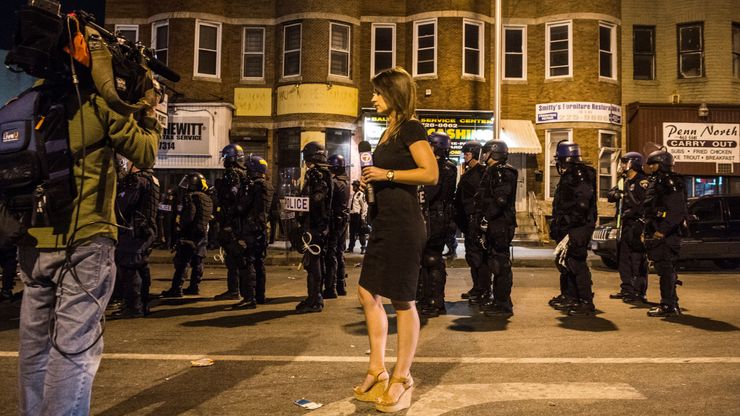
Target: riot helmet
x,y
496,150
256,165
314,152
472,147
336,164
441,143
194,182
662,158
232,155
632,160
566,153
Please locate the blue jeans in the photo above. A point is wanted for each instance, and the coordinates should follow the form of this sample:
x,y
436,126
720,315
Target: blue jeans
x,y
52,383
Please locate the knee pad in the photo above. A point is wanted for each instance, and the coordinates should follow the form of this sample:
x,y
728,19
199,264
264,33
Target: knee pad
x,y
432,260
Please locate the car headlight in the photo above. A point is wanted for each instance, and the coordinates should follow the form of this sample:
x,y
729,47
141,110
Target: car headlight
x,y
613,233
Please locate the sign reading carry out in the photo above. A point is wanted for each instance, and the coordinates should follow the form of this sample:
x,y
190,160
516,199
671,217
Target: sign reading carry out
x,y
296,203
186,135
579,112
703,142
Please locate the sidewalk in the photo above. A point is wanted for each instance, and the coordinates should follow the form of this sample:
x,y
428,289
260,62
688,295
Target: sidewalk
x,y
279,255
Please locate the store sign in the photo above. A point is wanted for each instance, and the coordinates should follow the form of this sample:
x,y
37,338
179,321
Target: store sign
x,y
186,135
581,112
703,142
461,127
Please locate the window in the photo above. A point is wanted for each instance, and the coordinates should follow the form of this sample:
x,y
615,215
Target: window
x,y
339,45
383,47
253,66
736,50
292,50
515,52
733,205
558,51
425,48
208,47
472,48
553,177
607,49
160,38
691,50
608,159
643,52
707,210
130,32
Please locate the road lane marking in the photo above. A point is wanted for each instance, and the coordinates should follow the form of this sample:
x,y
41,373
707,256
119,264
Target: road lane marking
x,y
432,360
448,397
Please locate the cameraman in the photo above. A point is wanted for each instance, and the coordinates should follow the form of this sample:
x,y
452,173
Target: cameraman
x,y
69,272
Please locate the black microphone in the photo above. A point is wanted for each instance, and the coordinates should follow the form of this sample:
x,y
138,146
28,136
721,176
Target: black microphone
x,y
366,159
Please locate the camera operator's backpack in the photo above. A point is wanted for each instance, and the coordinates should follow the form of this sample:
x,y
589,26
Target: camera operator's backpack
x,y
36,162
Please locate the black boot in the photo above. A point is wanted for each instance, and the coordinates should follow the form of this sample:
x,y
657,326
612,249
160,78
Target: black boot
x,y
662,311
173,292
582,308
227,296
246,304
304,307
342,286
191,290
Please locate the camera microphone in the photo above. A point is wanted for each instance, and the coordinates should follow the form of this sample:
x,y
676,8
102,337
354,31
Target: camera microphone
x,y
366,159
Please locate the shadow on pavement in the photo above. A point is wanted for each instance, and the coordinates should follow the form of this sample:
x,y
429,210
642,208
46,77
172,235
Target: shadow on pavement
x,y
700,322
284,299
10,313
479,323
190,387
187,311
247,318
587,323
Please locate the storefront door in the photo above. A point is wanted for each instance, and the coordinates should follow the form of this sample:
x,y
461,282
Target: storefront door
x,y
519,162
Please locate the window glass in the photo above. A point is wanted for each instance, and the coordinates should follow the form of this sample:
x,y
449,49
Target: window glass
x,y
161,34
383,54
514,53
425,52
559,45
254,52
292,50
606,52
339,50
690,51
733,204
736,50
708,210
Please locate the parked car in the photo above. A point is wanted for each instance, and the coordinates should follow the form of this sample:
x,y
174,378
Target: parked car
x,y
714,233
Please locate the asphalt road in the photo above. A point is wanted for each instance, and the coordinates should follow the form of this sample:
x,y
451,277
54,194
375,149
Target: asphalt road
x,y
538,362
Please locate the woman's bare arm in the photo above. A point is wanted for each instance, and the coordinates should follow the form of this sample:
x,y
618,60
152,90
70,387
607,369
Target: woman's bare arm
x,y
426,173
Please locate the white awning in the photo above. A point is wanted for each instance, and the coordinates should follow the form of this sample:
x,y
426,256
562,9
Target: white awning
x,y
520,136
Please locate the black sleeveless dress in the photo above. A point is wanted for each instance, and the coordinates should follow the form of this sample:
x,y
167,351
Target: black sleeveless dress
x,y
393,257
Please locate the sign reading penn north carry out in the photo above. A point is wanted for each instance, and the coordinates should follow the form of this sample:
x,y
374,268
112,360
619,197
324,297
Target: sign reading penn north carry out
x,y
703,142
461,127
583,112
296,203
186,135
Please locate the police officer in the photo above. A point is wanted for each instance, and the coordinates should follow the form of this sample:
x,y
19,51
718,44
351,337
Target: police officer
x,y
9,268
314,225
229,192
574,218
164,219
357,218
136,209
439,201
665,213
464,213
633,267
496,214
193,221
334,283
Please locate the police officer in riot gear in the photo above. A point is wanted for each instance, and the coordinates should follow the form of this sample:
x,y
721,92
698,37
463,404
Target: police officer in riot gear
x,y
464,213
229,192
255,207
164,219
439,203
192,235
334,283
665,213
496,215
574,218
136,209
314,225
633,267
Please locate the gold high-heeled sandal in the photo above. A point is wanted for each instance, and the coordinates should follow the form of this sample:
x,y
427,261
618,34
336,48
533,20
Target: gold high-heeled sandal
x,y
376,389
404,400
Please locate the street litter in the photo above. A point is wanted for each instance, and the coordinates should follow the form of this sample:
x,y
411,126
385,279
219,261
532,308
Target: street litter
x,y
307,404
203,362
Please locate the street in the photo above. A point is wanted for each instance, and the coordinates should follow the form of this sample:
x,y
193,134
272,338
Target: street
x,y
619,362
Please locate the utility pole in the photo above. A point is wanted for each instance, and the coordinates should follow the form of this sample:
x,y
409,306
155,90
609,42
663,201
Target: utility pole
x,y
498,27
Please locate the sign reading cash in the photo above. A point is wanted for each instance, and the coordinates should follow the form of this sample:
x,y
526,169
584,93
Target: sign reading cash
x,y
703,142
188,135
579,112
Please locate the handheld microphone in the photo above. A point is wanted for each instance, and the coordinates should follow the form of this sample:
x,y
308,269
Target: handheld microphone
x,y
366,159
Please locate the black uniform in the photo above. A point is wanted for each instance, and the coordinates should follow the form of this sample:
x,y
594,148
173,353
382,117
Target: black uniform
x,y
574,215
439,207
256,205
192,239
464,215
633,267
229,192
665,212
497,215
334,283
136,206
314,225
165,219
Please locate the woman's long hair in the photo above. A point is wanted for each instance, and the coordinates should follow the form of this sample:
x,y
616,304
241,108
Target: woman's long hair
x,y
399,92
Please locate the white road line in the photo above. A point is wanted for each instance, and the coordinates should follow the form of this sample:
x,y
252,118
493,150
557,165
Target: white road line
x,y
433,360
446,398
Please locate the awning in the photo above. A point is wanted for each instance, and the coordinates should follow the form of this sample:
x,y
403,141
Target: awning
x,y
520,136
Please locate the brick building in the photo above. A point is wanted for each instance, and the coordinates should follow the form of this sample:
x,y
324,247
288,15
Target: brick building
x,y
274,75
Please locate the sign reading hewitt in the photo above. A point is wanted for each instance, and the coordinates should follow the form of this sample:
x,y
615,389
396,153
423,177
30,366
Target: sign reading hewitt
x,y
703,142
186,136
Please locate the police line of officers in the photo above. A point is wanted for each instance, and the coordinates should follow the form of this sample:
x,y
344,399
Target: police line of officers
x,y
651,214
